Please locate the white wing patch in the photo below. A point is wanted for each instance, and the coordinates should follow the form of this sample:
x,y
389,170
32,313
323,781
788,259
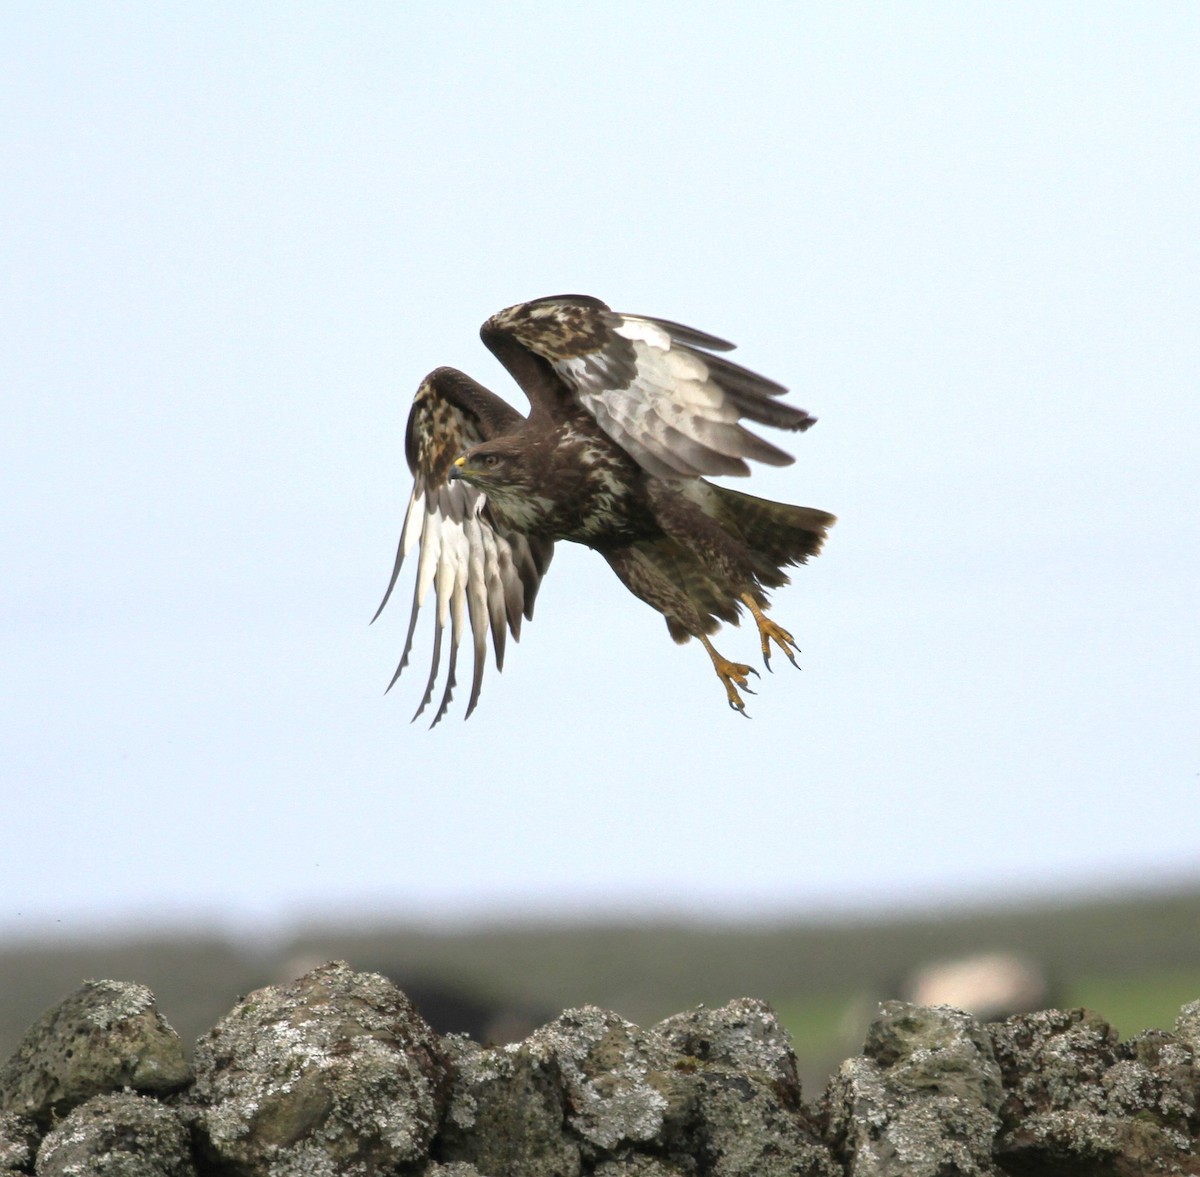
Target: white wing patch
x,y
478,578
676,410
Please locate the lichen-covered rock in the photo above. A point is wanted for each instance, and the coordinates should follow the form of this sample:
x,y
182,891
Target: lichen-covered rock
x,y
120,1135
1055,1059
743,1128
641,1165
923,1099
744,1035
507,1113
19,1137
606,1068
1155,1077
1080,1103
334,1074
105,1036
1187,1026
734,1096
712,1091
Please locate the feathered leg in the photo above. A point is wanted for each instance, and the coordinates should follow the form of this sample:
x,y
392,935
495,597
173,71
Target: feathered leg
x,y
643,570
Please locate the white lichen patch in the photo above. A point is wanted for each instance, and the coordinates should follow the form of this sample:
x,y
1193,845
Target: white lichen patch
x,y
116,1001
605,1066
744,1034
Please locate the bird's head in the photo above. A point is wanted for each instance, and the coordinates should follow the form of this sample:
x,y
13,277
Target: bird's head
x,y
491,466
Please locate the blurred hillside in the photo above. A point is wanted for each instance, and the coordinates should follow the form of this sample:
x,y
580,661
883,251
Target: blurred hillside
x,y
1135,960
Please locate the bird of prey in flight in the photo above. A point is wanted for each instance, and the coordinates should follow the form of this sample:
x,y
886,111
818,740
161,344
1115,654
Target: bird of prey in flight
x,y
628,415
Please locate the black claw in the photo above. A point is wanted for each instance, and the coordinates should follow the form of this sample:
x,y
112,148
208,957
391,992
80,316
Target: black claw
x,y
767,661
755,672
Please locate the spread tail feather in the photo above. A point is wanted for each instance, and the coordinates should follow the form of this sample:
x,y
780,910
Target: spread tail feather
x,y
776,534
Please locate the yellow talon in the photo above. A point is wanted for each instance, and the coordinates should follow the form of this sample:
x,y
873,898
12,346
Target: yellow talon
x,y
769,632
732,676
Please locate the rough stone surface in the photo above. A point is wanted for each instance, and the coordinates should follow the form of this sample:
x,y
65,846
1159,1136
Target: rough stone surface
x,y
640,1165
743,1035
335,1074
712,1091
1187,1026
734,1096
923,1099
1081,1104
507,1113
605,1065
19,1138
105,1036
121,1135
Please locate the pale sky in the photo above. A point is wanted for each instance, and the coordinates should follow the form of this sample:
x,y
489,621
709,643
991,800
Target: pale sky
x,y
967,237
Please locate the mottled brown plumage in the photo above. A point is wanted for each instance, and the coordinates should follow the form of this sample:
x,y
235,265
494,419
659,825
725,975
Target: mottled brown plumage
x,y
627,416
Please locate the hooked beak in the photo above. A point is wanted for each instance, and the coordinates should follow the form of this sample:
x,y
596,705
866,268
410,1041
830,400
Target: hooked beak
x,y
457,467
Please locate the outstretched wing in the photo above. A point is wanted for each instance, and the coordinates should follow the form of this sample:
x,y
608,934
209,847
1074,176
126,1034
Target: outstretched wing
x,y
653,386
480,573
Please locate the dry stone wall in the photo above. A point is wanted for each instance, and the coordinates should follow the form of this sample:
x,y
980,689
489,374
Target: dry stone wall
x,y
336,1075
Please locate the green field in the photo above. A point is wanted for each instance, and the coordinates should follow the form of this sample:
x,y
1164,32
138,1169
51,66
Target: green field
x,y
1133,1004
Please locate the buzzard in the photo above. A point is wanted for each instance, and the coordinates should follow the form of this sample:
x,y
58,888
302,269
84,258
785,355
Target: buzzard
x,y
627,416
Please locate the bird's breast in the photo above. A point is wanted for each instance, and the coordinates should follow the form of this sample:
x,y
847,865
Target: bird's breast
x,y
584,489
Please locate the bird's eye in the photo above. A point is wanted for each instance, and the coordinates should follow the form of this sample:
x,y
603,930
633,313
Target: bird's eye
x,y
490,460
